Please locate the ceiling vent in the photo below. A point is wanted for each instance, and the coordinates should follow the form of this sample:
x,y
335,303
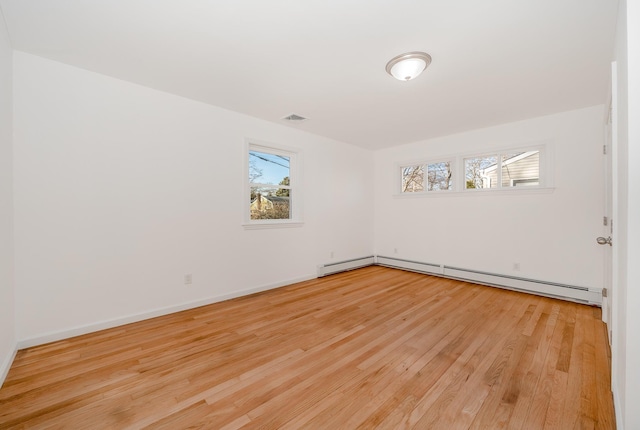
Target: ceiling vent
x,y
294,118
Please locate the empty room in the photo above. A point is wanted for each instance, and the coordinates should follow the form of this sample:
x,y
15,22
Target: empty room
x,y
319,215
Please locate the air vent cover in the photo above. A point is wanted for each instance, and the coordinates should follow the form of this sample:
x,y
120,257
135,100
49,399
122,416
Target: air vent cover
x,y
294,117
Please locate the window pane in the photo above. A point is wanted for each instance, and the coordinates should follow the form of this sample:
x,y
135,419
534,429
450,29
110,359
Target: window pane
x,y
439,176
480,172
412,179
271,169
521,169
270,203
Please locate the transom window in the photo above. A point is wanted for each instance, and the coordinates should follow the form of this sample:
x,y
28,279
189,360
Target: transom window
x,y
436,176
507,169
503,170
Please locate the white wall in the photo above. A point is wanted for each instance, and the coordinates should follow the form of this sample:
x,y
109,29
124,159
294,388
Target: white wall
x,y
551,235
7,325
626,341
632,414
121,190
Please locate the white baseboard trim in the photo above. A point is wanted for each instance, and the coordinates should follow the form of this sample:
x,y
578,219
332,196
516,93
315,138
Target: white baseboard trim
x,y
566,292
584,295
6,364
103,325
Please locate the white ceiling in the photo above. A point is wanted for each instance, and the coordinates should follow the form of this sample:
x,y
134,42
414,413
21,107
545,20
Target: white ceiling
x,y
494,61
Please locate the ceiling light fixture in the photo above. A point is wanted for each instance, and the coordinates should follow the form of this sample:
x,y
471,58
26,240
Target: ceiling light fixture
x,y
408,66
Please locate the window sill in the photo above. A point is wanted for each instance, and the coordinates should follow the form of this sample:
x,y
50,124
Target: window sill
x,y
273,224
486,192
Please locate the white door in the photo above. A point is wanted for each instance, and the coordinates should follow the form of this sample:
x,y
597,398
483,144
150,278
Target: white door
x,y
606,240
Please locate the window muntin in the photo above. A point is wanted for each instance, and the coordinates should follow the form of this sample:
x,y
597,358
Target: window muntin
x,y
500,170
271,183
432,176
515,168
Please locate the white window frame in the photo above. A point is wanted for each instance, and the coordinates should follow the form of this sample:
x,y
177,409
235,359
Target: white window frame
x,y
463,171
296,197
425,164
545,173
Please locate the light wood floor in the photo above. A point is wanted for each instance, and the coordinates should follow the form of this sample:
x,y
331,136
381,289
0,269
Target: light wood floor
x,y
372,348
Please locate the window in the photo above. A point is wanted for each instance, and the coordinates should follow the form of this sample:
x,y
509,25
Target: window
x,y
510,169
521,169
438,177
504,170
412,179
272,186
476,172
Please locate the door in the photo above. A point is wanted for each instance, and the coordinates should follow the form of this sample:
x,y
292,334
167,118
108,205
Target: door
x,y
606,240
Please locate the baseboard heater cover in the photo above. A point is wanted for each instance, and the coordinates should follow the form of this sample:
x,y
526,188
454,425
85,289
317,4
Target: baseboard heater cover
x,y
533,286
591,296
343,266
413,266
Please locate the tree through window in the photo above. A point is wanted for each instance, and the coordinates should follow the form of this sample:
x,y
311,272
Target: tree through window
x,y
439,177
270,183
499,170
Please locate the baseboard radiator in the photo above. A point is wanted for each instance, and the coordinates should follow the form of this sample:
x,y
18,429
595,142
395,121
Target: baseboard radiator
x,y
343,266
590,296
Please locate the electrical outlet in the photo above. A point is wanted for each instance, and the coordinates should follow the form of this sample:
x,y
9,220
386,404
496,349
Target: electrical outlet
x,y
331,256
395,250
188,279
516,267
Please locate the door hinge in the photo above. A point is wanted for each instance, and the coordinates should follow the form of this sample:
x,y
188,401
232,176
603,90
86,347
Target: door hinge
x,y
604,149
605,221
604,292
610,118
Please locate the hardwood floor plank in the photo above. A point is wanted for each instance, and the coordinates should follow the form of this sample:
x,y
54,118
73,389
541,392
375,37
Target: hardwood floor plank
x,y
371,348
468,400
547,359
457,374
604,407
502,367
571,417
528,372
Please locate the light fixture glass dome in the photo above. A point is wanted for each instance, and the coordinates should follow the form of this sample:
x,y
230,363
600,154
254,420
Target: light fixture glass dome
x,y
408,66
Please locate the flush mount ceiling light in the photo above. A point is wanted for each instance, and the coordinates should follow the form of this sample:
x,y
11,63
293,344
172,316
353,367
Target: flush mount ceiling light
x,y
408,66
